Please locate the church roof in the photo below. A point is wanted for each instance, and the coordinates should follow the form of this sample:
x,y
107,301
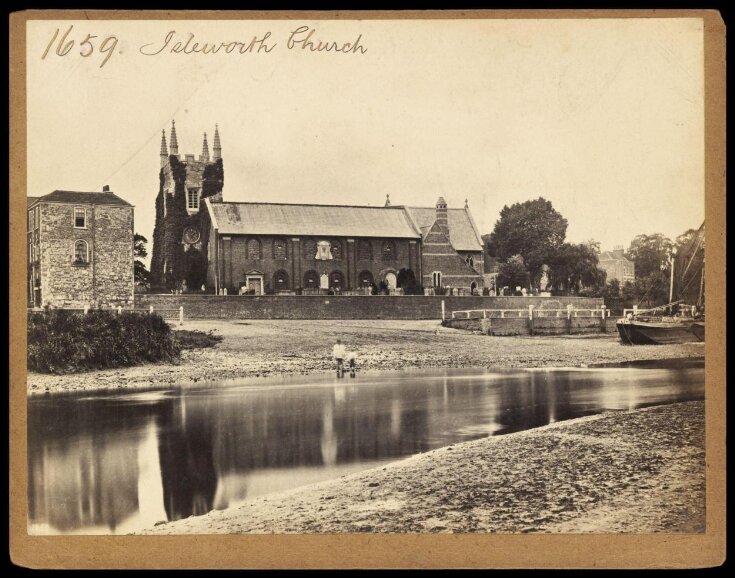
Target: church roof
x,y
95,197
463,234
243,218
611,256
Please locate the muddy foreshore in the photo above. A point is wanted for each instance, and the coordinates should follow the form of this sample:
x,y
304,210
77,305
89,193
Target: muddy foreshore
x,y
639,471
260,348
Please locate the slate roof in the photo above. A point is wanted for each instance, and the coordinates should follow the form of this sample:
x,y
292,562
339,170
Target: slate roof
x,y
610,256
463,234
244,218
79,197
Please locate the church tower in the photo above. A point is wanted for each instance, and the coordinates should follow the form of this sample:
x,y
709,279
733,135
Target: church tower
x,y
178,259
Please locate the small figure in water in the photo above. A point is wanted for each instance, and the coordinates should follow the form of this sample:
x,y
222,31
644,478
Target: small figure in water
x,y
338,354
351,361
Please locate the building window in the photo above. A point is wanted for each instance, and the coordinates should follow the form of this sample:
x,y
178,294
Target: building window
x,y
336,247
80,218
364,251
389,251
309,249
365,279
336,280
192,200
279,250
470,261
253,249
280,280
311,280
436,278
37,218
81,253
31,214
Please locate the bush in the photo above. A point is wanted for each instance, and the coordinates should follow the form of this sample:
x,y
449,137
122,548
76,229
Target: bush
x,y
188,339
62,341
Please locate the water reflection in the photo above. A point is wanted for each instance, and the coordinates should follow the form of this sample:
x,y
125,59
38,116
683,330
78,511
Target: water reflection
x,y
112,463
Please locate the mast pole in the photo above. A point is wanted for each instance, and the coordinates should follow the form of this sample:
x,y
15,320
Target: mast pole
x,y
671,282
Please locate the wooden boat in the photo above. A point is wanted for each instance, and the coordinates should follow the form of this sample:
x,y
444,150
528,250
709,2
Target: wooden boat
x,y
674,322
660,331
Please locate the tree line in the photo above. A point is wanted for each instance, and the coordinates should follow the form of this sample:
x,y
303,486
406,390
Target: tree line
x,y
528,249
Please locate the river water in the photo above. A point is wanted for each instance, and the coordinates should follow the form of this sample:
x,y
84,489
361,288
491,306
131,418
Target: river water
x,y
110,463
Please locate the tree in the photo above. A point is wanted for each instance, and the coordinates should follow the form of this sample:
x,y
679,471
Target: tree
x,y
532,229
141,273
406,280
513,273
650,253
574,267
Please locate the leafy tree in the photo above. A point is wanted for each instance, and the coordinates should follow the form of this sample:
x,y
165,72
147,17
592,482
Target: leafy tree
x,y
406,280
513,273
140,251
650,254
532,229
574,267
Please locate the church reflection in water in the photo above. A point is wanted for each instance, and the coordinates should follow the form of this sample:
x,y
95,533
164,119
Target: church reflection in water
x,y
110,464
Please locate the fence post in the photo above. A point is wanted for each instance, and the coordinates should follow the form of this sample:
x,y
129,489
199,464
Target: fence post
x,y
530,318
86,308
603,322
181,315
484,313
150,310
119,309
442,309
569,318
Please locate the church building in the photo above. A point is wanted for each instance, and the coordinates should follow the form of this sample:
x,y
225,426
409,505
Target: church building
x,y
201,241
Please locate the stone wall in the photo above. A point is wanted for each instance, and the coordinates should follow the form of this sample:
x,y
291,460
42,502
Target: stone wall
x,y
106,279
541,325
343,306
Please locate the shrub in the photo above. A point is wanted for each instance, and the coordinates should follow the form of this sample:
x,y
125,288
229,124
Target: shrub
x,y
196,339
62,341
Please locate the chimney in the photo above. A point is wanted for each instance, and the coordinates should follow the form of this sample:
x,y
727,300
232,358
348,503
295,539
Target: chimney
x,y
441,216
106,189
618,251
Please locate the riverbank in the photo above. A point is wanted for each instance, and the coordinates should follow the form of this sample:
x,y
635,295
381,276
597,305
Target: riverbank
x,y
640,471
258,348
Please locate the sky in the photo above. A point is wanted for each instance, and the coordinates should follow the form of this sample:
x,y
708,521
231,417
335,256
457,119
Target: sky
x,y
604,118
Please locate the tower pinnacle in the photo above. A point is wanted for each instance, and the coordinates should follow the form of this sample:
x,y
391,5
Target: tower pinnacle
x,y
164,148
174,140
387,200
205,149
216,147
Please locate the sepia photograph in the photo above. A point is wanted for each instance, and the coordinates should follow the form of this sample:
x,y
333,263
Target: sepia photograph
x,y
390,275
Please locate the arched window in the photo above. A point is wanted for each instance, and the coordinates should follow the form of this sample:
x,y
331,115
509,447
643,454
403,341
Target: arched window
x,y
253,249
309,249
336,280
389,251
364,251
280,252
365,279
336,249
311,280
473,288
436,278
81,252
280,280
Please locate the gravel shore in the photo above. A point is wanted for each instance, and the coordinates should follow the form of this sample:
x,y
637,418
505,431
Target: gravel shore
x,y
640,471
269,347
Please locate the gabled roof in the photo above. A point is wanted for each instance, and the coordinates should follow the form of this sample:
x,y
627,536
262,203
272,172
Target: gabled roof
x,y
610,256
241,218
80,197
463,234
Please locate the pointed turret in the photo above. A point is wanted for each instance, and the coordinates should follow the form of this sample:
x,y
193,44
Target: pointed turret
x,y
174,140
441,215
387,200
164,148
217,147
205,150
466,204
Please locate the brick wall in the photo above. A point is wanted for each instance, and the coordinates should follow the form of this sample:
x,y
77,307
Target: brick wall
x,y
343,307
439,255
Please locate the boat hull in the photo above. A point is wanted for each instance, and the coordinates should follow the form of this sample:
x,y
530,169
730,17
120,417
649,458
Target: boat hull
x,y
646,333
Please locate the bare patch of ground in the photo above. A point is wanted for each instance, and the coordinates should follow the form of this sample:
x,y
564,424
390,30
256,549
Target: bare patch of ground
x,y
269,347
638,471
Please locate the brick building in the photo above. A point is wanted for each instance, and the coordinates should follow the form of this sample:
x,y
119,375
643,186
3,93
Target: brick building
x,y
80,250
617,266
202,241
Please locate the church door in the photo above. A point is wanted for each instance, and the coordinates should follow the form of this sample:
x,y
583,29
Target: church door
x,y
256,283
324,281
